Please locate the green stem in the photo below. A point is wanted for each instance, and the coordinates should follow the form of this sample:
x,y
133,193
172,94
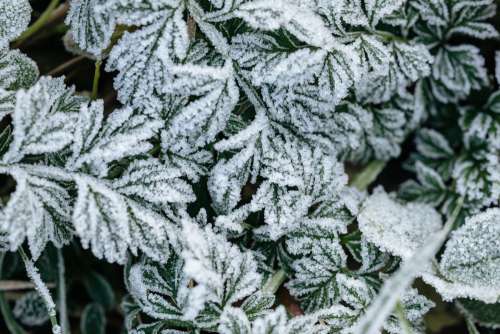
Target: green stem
x,y
471,327
97,76
368,175
38,24
274,282
7,316
42,289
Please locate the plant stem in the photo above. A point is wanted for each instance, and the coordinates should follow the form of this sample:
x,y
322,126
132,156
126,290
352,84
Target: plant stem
x,y
368,175
97,76
38,24
63,67
61,293
42,289
7,316
274,282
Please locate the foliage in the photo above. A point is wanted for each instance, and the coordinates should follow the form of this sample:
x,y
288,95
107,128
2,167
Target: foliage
x,y
224,170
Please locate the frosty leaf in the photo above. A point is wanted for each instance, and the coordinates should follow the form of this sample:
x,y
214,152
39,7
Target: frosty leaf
x,y
274,322
199,122
413,307
234,321
39,210
111,224
44,119
459,69
30,309
16,71
467,16
396,228
378,9
90,29
314,282
407,63
483,123
355,292
450,290
471,254
430,189
282,65
159,289
153,182
14,19
300,21
227,273
475,173
98,142
435,150
160,28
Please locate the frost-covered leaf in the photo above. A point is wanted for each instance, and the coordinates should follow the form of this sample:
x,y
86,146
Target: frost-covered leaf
x,y
39,210
314,282
91,29
16,72
483,123
471,254
154,182
30,309
44,119
98,143
228,274
457,70
14,19
160,289
198,123
100,212
298,20
429,189
161,33
397,228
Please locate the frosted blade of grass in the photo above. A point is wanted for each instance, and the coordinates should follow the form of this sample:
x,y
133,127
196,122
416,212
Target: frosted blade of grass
x,y
382,306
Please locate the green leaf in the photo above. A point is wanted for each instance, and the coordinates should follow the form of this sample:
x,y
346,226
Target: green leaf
x,y
487,315
100,290
93,320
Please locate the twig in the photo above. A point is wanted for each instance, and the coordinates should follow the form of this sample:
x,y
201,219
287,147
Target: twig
x,y
42,20
42,289
97,76
8,285
63,67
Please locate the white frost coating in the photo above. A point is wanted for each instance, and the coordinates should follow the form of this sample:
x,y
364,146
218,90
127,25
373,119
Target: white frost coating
x,y
43,119
111,224
472,254
227,273
91,29
15,15
98,143
300,21
396,228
